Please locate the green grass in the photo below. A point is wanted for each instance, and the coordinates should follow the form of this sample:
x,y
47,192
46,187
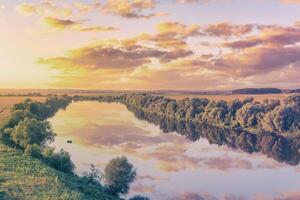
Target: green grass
x,y
26,178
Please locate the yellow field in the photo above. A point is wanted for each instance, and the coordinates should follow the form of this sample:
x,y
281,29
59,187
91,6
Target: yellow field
x,y
7,102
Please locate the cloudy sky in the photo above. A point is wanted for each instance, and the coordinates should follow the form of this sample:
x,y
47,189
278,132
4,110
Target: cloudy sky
x,y
149,44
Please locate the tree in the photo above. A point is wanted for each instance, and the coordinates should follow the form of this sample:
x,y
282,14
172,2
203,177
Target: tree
x,y
31,131
118,175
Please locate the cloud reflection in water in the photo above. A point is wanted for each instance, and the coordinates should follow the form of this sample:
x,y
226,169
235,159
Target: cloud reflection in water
x,y
167,163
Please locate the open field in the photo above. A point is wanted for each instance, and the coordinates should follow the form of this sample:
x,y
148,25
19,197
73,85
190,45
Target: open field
x,y
7,102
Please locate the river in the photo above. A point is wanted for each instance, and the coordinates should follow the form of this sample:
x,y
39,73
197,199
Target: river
x,y
169,166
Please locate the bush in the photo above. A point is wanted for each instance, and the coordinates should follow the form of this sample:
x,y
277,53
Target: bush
x,y
59,160
6,136
33,151
92,176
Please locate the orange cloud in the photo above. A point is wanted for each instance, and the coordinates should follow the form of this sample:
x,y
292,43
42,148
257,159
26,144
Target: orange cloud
x,y
99,29
272,49
226,29
27,8
59,23
56,15
45,8
115,54
256,61
270,36
166,58
72,25
130,8
173,34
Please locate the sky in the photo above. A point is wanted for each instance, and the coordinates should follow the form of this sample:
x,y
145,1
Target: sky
x,y
149,44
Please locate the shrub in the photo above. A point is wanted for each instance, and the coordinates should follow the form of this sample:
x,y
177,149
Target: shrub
x,y
92,176
59,160
33,150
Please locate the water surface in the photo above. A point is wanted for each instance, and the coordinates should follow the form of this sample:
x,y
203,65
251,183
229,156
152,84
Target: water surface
x,y
169,166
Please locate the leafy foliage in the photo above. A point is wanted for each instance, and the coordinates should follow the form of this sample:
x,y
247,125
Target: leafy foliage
x,y
59,160
118,175
93,176
31,131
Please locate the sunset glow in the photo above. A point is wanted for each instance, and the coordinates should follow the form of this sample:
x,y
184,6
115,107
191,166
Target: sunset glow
x,y
149,44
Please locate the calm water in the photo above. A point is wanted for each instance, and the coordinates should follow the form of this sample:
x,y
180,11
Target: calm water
x,y
168,165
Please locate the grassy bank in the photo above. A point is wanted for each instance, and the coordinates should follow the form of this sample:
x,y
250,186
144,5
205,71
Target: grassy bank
x,y
23,177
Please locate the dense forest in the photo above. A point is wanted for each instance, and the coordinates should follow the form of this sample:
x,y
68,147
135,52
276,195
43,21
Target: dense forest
x,y
271,127
25,152
257,91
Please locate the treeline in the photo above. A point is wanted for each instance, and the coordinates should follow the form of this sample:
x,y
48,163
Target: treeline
x,y
257,91
271,127
282,118
33,94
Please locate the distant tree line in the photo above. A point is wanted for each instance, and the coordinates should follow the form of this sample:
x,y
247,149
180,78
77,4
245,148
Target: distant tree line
x,y
32,94
295,91
257,91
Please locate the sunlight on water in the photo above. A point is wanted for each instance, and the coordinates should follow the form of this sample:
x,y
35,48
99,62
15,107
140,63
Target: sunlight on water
x,y
169,166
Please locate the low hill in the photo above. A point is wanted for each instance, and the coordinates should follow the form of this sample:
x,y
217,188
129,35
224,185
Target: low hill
x,y
257,91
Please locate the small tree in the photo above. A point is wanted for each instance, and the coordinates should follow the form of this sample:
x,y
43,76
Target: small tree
x,y
31,131
118,175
